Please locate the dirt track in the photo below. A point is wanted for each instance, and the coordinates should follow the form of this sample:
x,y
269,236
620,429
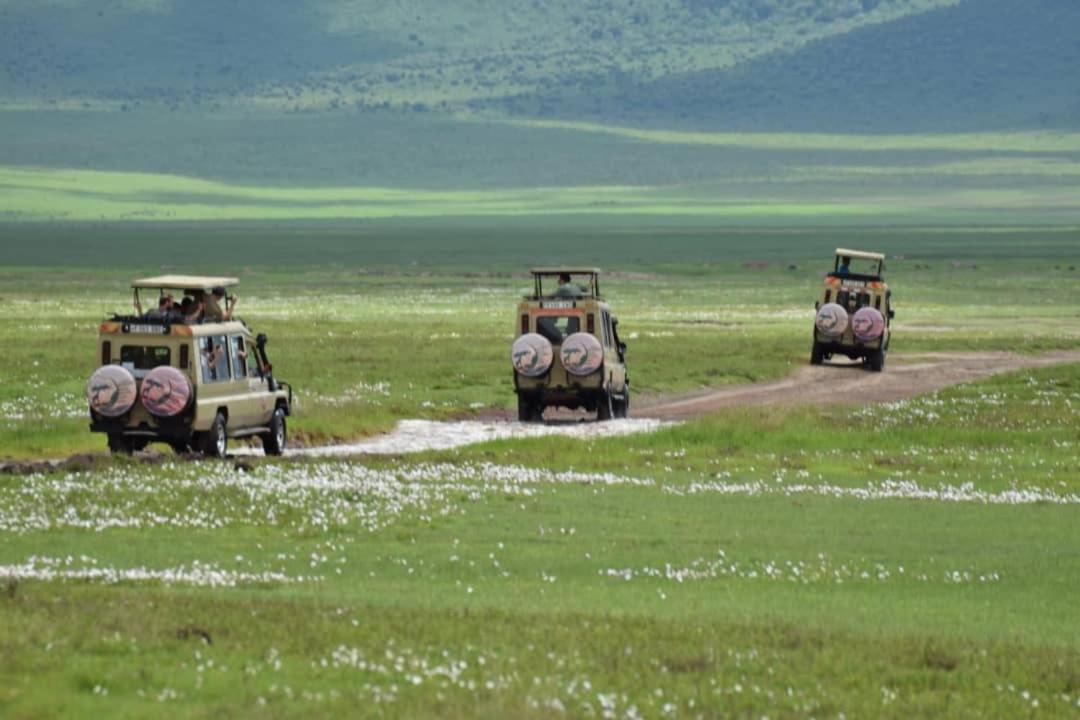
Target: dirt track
x,y
905,376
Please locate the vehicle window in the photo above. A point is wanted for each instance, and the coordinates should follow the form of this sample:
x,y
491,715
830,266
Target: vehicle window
x,y
140,357
557,327
214,358
607,328
239,355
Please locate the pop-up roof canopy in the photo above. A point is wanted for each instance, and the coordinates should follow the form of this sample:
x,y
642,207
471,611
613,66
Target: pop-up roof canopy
x,y
842,252
189,283
571,269
593,289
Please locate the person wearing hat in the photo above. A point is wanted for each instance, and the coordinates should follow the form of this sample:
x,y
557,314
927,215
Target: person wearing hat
x,y
212,311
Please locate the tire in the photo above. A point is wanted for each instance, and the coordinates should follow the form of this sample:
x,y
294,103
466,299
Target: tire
x,y
274,441
214,442
622,409
817,355
120,445
876,360
529,411
180,447
604,408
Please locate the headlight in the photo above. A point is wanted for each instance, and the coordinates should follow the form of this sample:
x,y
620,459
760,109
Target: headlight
x,y
832,320
531,355
165,391
111,391
868,324
581,354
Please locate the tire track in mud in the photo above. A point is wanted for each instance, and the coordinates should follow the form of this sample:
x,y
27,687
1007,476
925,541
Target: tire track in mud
x,y
905,376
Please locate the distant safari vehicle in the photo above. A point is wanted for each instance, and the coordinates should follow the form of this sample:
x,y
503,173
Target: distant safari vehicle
x,y
191,378
854,311
568,352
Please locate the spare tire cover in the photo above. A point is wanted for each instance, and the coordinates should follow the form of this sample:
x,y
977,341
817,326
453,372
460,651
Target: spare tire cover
x,y
868,323
832,320
111,391
165,391
532,354
581,354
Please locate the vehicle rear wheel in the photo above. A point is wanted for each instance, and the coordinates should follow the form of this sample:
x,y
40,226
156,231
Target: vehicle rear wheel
x,y
120,445
529,411
604,407
621,405
817,355
274,441
180,447
876,360
215,443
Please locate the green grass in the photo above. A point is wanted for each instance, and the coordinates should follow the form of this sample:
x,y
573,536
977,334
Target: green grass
x,y
467,587
403,287
909,559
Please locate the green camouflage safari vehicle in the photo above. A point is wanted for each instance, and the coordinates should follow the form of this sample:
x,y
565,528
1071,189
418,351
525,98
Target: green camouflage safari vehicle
x,y
568,352
187,378
854,311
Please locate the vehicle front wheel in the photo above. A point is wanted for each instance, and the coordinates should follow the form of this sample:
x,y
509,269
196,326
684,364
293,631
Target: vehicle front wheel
x,y
215,443
876,360
274,441
622,405
604,407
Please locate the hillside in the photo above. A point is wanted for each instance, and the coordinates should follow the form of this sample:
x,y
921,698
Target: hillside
x,y
977,66
420,54
669,96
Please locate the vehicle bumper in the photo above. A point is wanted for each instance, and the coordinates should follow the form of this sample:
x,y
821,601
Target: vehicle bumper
x,y
179,430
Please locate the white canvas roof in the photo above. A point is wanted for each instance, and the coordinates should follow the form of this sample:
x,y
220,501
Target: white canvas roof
x,y
859,254
185,282
572,269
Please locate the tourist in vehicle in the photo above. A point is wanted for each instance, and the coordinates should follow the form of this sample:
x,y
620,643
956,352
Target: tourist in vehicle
x,y
845,266
212,310
568,288
163,310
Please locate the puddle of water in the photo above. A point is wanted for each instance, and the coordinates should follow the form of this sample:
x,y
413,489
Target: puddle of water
x,y
410,436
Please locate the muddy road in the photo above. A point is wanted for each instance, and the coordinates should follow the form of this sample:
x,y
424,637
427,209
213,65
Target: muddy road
x,y
840,381
905,376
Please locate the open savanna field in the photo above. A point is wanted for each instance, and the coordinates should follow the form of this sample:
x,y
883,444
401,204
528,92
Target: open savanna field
x,y
901,559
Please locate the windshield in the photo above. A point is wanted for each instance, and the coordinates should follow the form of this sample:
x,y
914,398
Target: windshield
x,y
857,266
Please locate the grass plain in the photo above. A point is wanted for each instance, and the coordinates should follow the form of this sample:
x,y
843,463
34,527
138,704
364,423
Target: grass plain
x,y
894,561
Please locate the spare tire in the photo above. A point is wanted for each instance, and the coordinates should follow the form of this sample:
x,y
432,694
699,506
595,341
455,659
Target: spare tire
x,y
532,355
868,324
581,354
832,320
111,391
165,391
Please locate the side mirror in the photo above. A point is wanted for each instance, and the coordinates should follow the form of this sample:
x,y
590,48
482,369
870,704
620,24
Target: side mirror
x,y
892,314
622,349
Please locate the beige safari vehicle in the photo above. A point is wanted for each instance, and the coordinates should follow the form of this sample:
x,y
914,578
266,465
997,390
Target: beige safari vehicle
x,y
184,381
567,352
854,311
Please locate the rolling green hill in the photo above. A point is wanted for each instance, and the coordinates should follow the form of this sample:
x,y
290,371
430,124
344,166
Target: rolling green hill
x,y
700,104
975,66
334,54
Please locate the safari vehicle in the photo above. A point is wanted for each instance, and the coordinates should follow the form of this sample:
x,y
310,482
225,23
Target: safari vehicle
x,y
568,352
854,311
185,382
